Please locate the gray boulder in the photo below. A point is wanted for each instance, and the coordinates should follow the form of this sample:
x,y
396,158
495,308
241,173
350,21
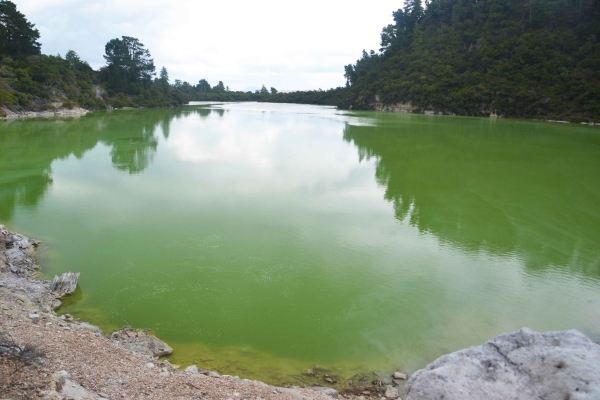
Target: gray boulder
x,y
88,326
192,369
523,365
65,284
141,341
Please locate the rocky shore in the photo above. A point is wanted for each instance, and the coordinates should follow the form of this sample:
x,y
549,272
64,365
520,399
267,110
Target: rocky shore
x,y
52,113
43,355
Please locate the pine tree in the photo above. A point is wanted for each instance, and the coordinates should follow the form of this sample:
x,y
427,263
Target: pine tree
x,y
18,37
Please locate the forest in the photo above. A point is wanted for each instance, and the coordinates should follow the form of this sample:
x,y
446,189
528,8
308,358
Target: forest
x,y
534,59
514,58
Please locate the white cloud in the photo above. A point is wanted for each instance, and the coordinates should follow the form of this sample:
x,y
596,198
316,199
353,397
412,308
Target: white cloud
x,y
288,45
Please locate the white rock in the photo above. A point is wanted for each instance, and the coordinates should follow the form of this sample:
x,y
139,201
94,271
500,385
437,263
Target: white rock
x,y
391,392
74,391
399,375
150,365
192,369
65,284
524,365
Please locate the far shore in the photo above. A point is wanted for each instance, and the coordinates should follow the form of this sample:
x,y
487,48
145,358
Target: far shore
x,y
75,112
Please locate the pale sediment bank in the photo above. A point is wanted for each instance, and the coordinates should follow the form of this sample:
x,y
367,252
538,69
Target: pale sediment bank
x,y
53,113
409,108
46,356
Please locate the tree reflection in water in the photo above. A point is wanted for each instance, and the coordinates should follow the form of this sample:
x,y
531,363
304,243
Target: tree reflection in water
x,y
28,148
511,187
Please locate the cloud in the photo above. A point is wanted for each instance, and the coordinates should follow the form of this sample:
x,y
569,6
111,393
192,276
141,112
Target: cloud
x,y
288,45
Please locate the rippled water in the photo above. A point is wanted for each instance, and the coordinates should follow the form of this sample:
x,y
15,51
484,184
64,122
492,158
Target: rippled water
x,y
261,240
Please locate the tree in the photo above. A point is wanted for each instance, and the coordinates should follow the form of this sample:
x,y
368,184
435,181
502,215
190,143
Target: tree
x,y
349,74
273,90
163,81
264,90
75,62
18,37
413,12
219,88
203,86
164,75
128,62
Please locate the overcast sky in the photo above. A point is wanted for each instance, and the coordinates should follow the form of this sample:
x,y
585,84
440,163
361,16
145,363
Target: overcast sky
x,y
245,43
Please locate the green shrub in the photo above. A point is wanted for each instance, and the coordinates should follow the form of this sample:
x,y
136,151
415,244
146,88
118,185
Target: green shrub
x,y
69,104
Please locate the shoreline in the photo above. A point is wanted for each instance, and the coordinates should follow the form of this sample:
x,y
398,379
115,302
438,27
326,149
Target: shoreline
x,y
56,113
53,357
77,360
404,108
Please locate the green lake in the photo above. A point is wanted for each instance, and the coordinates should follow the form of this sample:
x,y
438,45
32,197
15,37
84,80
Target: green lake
x,y
261,240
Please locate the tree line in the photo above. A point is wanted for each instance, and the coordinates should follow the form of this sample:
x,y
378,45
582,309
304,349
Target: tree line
x,y
514,58
30,80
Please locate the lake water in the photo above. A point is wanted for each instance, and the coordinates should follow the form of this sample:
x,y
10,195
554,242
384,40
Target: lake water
x,y
261,240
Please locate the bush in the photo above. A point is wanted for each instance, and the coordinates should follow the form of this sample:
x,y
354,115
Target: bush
x,y
69,104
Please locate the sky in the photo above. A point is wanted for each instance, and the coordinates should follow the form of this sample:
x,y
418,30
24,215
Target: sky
x,y
289,45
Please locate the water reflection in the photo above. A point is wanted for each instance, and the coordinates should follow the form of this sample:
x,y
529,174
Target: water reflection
x,y
261,230
513,188
28,148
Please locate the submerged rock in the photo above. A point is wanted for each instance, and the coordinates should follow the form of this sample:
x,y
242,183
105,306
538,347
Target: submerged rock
x,y
524,365
399,375
141,341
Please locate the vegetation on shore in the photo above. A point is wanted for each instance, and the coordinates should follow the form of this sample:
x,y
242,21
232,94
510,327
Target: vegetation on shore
x,y
525,59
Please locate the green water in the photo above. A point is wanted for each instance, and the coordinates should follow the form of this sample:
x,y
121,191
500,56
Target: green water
x,y
261,240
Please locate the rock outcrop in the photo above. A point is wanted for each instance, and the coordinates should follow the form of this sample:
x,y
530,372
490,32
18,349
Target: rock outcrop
x,y
16,253
65,284
141,341
59,112
524,365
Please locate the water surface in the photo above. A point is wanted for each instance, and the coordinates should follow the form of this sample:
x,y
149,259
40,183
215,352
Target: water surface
x,y
261,240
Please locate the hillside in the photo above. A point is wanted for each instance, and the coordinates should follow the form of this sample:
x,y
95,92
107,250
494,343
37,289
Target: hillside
x,y
524,59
